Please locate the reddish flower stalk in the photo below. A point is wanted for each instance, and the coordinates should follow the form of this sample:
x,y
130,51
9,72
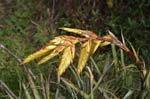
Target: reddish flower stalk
x,y
130,53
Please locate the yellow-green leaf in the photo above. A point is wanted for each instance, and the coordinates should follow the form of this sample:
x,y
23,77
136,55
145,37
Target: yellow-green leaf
x,y
77,31
85,33
84,55
55,52
39,53
65,61
73,51
95,45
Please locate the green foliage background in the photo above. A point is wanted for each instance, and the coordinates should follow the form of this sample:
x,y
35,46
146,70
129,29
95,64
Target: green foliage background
x,y
26,25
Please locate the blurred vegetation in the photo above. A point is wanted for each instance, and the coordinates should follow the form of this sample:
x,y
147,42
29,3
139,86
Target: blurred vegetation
x,y
26,25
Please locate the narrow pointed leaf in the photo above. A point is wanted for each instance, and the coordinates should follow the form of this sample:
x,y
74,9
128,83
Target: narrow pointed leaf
x,y
84,55
28,96
70,84
95,45
55,52
85,33
39,53
64,40
77,31
73,51
66,59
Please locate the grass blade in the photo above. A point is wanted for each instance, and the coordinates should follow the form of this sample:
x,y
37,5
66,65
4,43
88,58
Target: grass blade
x,y
28,96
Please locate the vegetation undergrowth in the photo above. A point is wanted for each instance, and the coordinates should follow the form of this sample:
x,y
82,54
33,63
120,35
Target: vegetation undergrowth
x,y
26,25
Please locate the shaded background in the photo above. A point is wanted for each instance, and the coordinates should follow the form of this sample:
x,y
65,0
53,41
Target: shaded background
x,y
26,25
25,17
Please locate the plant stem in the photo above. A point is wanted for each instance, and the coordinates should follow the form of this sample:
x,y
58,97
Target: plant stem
x,y
126,49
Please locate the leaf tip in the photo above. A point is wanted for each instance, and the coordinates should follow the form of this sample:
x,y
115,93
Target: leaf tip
x,y
62,28
79,71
